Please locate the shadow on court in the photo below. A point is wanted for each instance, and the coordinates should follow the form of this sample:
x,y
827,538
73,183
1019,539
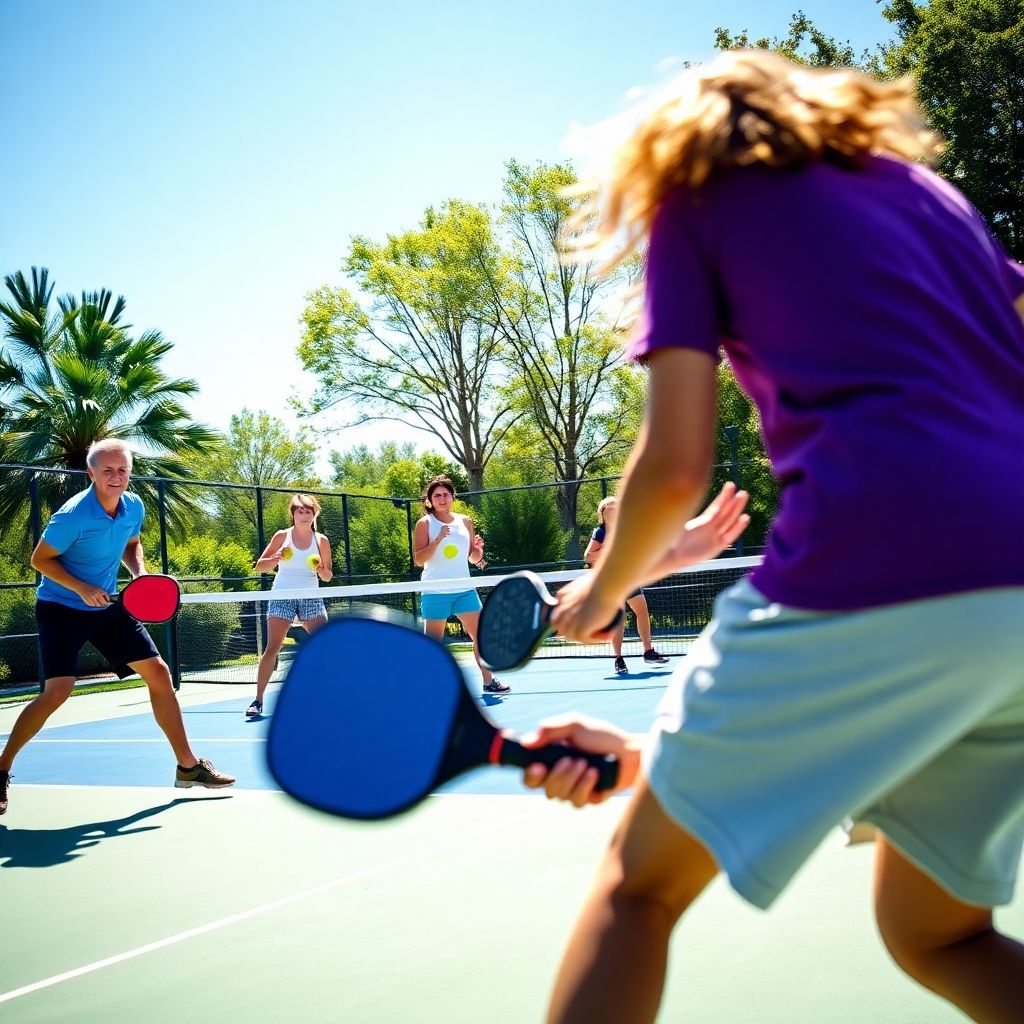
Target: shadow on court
x,y
44,848
605,690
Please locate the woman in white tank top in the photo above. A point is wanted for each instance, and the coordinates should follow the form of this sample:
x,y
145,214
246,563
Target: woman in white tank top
x,y
302,557
445,544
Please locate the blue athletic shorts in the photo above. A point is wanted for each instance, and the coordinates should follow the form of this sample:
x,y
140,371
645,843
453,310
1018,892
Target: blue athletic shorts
x,y
64,631
782,722
441,607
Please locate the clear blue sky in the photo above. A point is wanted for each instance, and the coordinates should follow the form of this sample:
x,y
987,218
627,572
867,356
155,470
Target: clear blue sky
x,y
210,159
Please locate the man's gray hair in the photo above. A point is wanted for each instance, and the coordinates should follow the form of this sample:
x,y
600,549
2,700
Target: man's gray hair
x,y
108,444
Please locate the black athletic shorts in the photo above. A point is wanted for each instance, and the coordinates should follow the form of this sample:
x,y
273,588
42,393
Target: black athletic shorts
x,y
64,631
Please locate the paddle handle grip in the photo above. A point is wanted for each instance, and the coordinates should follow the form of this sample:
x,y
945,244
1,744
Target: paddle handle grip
x,y
513,753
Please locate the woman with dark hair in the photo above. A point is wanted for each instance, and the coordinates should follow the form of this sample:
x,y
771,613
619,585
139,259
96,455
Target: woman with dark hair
x,y
446,544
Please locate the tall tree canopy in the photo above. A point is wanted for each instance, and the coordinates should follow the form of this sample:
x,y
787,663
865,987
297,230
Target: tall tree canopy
x,y
560,322
968,59
804,42
73,374
424,354
259,451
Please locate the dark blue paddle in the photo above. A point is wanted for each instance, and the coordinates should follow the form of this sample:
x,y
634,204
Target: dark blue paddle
x,y
374,716
515,620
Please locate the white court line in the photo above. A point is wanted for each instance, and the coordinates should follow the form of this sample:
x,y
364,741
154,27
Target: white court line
x,y
244,915
161,739
235,794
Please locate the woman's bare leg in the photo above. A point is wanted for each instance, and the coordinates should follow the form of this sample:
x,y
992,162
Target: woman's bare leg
x,y
617,635
643,619
947,946
613,969
469,622
277,630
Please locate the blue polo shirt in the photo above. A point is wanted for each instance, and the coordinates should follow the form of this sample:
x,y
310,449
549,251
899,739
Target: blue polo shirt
x,y
91,543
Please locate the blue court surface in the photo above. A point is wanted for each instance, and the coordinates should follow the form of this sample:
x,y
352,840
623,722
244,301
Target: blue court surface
x,y
121,895
132,749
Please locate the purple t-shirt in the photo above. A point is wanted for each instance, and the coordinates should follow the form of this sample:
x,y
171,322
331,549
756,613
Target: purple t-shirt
x,y
869,315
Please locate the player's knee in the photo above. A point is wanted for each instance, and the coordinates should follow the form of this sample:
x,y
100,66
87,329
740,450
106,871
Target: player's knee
x,y
921,955
666,893
906,951
662,902
154,672
57,690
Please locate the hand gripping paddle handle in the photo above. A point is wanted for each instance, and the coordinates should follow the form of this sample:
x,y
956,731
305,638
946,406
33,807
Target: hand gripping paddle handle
x,y
546,617
516,618
508,751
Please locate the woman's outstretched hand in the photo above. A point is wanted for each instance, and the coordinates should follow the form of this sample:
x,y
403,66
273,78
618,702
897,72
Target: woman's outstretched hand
x,y
707,535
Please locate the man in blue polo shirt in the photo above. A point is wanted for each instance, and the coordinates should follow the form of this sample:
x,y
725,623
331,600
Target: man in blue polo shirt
x,y
78,556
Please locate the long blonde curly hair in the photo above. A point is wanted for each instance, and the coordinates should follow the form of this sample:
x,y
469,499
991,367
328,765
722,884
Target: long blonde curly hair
x,y
742,108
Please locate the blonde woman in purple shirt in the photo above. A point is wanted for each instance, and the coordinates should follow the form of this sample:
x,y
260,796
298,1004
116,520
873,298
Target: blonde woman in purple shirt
x,y
871,666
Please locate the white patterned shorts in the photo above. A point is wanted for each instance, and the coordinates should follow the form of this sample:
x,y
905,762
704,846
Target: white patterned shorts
x,y
303,609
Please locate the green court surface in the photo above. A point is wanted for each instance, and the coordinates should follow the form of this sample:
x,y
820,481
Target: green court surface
x,y
175,906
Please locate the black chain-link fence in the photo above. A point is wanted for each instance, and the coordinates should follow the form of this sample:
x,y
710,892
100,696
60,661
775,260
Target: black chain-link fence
x,y
208,535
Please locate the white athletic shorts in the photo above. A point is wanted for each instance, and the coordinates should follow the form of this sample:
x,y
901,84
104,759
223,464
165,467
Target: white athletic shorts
x,y
781,722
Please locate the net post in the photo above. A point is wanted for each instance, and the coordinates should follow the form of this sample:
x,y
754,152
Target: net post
x,y
34,510
170,628
345,537
261,537
732,435
408,529
37,531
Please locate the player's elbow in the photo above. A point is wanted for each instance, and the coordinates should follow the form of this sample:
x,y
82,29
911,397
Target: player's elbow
x,y
40,560
679,479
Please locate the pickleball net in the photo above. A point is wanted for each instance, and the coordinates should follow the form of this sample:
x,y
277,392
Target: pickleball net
x,y
219,637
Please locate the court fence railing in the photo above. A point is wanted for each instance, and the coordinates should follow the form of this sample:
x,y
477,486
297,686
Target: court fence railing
x,y
208,534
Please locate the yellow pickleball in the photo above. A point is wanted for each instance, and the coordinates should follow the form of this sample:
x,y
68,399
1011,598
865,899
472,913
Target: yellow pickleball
x,y
314,561
286,553
450,550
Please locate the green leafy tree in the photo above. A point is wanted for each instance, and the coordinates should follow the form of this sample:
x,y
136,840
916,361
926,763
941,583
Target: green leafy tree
x,y
361,469
379,537
423,355
563,346
740,456
379,529
522,527
433,464
804,42
373,472
219,564
968,59
73,374
259,451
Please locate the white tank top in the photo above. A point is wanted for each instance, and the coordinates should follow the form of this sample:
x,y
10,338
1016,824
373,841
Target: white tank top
x,y
451,559
296,573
